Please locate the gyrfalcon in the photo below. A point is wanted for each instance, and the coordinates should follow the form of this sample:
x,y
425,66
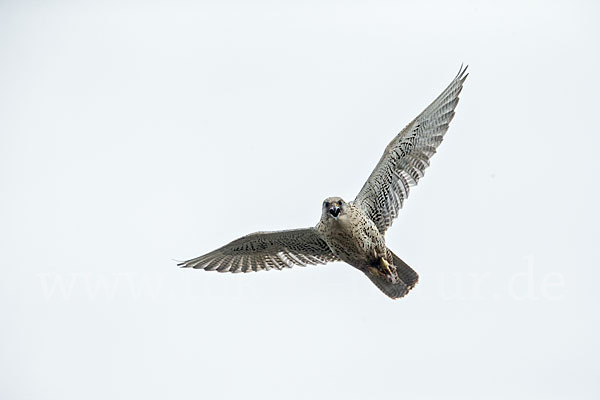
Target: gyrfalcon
x,y
353,231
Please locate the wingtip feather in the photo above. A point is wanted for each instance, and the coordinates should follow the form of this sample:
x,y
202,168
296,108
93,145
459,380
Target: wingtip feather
x,y
462,73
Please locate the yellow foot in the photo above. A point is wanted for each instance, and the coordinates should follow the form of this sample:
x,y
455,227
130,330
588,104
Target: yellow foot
x,y
382,268
377,272
385,265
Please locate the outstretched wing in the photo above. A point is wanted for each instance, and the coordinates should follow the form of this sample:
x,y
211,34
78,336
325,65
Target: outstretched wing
x,y
265,250
406,157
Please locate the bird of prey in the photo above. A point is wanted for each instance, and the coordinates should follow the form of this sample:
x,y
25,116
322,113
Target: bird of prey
x,y
353,231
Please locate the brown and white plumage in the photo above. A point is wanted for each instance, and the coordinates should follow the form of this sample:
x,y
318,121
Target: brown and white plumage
x,y
404,161
266,250
353,232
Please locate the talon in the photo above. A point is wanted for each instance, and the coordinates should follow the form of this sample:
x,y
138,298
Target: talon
x,y
386,265
376,271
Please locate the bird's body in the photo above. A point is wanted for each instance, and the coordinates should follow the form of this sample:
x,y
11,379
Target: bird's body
x,y
353,232
353,237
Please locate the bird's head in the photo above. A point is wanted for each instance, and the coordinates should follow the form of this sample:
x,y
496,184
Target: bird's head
x,y
333,207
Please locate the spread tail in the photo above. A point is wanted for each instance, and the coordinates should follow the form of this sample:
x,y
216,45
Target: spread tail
x,y
408,279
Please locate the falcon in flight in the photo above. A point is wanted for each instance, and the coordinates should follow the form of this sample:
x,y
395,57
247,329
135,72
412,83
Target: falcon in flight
x,y
353,231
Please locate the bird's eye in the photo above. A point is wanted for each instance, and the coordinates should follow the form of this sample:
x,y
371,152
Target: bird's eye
x,y
327,204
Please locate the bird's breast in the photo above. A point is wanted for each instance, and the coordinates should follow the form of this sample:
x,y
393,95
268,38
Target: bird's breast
x,y
353,239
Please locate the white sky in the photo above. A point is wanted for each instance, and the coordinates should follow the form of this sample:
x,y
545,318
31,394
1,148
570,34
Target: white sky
x,y
132,134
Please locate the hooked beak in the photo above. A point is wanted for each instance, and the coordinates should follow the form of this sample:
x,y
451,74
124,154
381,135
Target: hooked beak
x,y
334,211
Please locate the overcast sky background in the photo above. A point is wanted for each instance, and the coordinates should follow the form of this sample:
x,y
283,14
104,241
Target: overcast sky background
x,y
135,133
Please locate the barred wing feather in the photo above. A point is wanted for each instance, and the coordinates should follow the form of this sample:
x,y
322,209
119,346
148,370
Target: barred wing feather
x,y
407,156
266,250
